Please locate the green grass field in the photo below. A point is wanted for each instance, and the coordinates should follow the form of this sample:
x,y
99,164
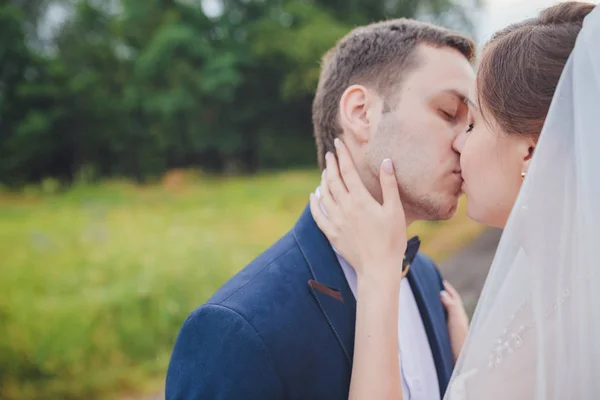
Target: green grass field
x,y
95,281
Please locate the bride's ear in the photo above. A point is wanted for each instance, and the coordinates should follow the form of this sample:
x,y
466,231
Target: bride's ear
x,y
527,148
356,112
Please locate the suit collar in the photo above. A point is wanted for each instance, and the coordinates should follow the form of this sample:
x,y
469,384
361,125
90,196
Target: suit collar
x,y
327,273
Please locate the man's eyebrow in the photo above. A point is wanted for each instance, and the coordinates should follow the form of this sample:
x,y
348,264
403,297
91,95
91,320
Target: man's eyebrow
x,y
462,97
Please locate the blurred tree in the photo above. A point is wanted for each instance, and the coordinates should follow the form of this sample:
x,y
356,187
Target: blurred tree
x,y
26,130
134,87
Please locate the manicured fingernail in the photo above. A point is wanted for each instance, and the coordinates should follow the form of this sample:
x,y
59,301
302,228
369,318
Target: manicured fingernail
x,y
336,142
388,166
443,293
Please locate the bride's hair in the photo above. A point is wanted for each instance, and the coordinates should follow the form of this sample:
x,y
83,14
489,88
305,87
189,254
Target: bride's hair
x,y
521,65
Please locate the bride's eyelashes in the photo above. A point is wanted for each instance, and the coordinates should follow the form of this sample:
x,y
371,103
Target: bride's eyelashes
x,y
470,128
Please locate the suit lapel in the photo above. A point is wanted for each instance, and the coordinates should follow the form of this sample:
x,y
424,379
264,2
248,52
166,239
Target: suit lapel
x,y
338,305
328,286
432,314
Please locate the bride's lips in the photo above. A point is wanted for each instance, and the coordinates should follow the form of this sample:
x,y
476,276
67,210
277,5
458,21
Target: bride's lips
x,y
458,174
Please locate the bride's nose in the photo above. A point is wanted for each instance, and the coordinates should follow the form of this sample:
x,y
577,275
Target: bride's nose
x,y
459,142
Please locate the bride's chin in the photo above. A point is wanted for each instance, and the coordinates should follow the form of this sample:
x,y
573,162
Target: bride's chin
x,y
479,215
472,216
472,212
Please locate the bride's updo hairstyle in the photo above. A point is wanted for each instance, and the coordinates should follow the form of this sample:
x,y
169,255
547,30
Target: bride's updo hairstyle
x,y
521,65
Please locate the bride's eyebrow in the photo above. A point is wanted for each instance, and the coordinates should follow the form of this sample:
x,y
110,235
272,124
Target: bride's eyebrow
x,y
470,103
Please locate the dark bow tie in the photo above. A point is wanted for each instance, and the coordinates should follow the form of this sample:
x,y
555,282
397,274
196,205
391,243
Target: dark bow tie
x,y
412,248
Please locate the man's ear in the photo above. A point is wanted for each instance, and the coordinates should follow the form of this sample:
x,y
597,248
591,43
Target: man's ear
x,y
356,112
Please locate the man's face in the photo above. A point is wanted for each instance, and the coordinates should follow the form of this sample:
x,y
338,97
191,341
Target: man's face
x,y
418,131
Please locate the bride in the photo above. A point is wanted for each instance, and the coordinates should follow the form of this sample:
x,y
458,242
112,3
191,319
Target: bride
x,y
531,165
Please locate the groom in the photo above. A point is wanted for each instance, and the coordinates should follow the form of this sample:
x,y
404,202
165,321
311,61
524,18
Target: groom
x,y
283,327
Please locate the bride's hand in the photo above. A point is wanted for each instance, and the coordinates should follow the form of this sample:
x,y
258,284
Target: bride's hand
x,y
370,236
458,320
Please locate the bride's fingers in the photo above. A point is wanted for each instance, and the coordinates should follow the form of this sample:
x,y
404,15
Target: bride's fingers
x,y
451,291
446,300
322,221
389,186
348,170
334,181
325,196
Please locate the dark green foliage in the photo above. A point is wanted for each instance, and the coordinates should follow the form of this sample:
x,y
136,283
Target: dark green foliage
x,y
134,87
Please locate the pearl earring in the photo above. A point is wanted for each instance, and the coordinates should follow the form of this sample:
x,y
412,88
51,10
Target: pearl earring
x,y
522,175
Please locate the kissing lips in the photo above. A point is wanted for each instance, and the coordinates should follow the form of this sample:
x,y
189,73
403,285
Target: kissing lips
x,y
461,183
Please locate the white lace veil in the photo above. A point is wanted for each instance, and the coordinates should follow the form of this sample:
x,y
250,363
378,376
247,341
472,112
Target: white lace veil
x,y
535,334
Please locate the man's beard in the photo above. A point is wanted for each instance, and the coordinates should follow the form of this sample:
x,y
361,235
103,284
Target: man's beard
x,y
428,206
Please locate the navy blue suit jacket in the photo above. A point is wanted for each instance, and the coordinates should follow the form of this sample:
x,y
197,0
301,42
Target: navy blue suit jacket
x,y
269,334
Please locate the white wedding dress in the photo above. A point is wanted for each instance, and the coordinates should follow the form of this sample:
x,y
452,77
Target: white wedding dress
x,y
535,334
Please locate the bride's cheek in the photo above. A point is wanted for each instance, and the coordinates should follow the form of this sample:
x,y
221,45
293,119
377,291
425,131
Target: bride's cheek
x,y
476,154
466,162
